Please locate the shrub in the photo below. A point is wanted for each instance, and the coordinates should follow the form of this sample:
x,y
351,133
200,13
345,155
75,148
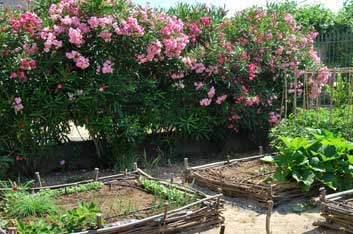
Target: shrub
x,y
123,71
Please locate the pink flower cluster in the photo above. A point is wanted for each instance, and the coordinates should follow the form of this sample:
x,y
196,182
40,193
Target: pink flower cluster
x,y
107,67
80,61
153,53
221,99
176,76
252,71
27,22
17,104
129,27
274,118
75,36
205,102
318,82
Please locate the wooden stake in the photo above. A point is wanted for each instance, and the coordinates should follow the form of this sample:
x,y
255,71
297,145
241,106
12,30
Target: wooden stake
x,y
135,166
342,230
268,216
223,227
125,172
12,230
171,178
186,163
96,173
322,193
99,220
219,190
166,204
38,179
228,159
261,150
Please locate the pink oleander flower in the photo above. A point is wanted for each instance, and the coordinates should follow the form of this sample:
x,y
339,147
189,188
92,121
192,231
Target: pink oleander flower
x,y
221,58
221,99
274,118
13,75
198,68
205,102
187,61
252,70
176,76
198,85
107,36
107,67
93,22
82,62
206,20
211,92
17,104
75,37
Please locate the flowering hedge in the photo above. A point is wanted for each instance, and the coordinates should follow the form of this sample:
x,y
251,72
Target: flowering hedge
x,y
122,70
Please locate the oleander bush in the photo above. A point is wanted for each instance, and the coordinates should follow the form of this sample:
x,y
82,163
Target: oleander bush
x,y
124,71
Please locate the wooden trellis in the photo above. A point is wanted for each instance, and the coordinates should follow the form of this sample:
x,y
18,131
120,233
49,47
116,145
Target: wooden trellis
x,y
325,99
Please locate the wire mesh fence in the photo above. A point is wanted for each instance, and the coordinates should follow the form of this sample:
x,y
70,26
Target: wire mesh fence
x,y
336,48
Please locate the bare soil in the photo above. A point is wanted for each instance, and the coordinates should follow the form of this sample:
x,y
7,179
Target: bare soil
x,y
254,171
114,201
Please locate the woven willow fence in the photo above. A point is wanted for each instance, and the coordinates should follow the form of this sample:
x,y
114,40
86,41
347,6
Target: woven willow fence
x,y
336,94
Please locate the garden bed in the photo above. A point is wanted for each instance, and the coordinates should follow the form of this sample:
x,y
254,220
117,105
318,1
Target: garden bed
x,y
126,203
337,209
248,178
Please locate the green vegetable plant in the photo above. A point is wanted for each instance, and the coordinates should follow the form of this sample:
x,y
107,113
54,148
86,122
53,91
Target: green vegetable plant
x,y
170,193
21,204
77,219
321,158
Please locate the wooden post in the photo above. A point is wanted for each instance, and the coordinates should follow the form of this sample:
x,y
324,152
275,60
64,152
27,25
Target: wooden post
x,y
96,173
268,216
135,166
261,150
125,172
322,193
186,163
295,92
38,179
12,230
223,227
166,204
171,178
99,220
342,230
228,159
219,190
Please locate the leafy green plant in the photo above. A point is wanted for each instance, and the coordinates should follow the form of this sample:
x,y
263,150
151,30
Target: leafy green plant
x,y
80,218
21,204
310,121
96,185
324,158
170,193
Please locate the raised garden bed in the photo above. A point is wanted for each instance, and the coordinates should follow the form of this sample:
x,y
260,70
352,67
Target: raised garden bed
x,y
248,178
129,203
337,209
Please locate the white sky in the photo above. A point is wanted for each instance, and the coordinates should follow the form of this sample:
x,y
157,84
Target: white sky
x,y
235,5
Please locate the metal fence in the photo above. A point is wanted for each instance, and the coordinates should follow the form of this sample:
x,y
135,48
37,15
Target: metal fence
x,y
336,48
